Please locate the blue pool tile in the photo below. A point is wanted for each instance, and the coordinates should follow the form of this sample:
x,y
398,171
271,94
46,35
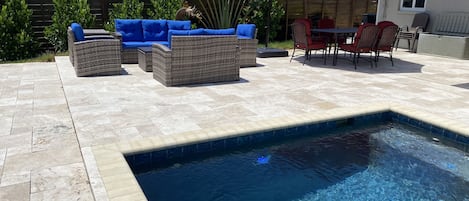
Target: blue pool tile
x,y
260,137
231,143
189,150
159,156
244,140
437,130
175,152
204,147
218,145
291,131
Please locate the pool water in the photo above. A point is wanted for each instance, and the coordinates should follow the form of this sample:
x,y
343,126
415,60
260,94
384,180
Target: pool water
x,y
388,162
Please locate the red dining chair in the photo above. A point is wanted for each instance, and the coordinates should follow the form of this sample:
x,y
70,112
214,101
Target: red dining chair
x,y
385,39
364,42
327,23
302,39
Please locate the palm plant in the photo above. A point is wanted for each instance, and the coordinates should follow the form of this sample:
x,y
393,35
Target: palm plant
x,y
220,13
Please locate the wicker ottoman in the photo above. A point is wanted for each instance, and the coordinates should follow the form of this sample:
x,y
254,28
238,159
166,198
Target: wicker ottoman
x,y
144,59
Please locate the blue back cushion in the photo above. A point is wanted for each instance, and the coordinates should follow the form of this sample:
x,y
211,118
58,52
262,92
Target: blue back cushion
x,y
172,33
155,30
230,31
131,30
179,25
246,30
78,32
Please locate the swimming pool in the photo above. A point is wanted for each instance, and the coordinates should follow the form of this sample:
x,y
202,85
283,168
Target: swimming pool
x,y
380,156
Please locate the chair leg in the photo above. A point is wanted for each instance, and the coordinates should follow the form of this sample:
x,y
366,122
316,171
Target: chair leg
x,y
408,45
325,56
355,58
390,57
371,59
396,43
292,54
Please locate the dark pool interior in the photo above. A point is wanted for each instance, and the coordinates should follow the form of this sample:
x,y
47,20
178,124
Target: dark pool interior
x,y
378,160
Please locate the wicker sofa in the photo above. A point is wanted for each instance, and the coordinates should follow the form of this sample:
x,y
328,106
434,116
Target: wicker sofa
x,y
94,56
196,59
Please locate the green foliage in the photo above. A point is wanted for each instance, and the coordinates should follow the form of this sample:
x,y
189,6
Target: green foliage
x,y
128,9
258,10
16,41
66,12
164,9
219,14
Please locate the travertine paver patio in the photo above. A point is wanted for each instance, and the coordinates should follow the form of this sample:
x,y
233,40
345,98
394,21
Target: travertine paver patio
x,y
50,119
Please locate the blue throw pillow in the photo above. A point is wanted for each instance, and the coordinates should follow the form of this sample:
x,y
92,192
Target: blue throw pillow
x,y
179,25
155,30
229,31
131,30
172,33
78,32
246,30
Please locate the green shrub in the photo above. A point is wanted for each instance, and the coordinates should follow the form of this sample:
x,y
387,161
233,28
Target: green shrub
x,y
66,12
257,15
164,9
16,41
128,9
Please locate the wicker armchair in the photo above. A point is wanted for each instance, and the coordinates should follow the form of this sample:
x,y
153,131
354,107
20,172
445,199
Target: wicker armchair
x,y
94,57
196,60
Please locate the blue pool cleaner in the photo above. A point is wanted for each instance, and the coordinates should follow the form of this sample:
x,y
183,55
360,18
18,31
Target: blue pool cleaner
x,y
262,160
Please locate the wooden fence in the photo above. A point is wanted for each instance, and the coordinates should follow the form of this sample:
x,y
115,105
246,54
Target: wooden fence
x,y
44,9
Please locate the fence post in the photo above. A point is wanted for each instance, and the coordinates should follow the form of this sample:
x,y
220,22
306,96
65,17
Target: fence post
x,y
105,10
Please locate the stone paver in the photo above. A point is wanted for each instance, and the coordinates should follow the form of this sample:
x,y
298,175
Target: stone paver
x,y
50,119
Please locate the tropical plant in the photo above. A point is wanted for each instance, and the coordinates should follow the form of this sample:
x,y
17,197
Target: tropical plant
x,y
16,41
164,9
128,9
66,12
258,10
220,14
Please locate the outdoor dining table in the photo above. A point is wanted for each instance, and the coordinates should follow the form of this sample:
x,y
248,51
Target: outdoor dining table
x,y
336,32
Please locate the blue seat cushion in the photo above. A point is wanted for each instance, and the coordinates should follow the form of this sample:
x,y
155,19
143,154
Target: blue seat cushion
x,y
179,25
131,30
246,30
229,31
77,32
155,30
243,37
131,45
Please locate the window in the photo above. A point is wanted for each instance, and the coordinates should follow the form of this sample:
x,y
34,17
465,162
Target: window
x,y
412,5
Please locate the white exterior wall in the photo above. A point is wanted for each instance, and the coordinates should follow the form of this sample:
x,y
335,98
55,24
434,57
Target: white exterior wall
x,y
389,10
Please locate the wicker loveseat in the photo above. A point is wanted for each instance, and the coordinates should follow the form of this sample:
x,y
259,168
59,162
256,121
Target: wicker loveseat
x,y
95,56
195,59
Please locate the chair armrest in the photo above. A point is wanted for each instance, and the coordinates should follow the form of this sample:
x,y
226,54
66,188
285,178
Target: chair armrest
x,y
404,28
117,35
98,46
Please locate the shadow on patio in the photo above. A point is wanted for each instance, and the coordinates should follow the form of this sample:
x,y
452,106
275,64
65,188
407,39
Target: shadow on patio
x,y
363,65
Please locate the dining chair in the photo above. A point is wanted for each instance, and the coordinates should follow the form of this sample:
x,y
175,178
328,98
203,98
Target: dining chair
x,y
327,23
385,39
419,24
302,39
364,42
